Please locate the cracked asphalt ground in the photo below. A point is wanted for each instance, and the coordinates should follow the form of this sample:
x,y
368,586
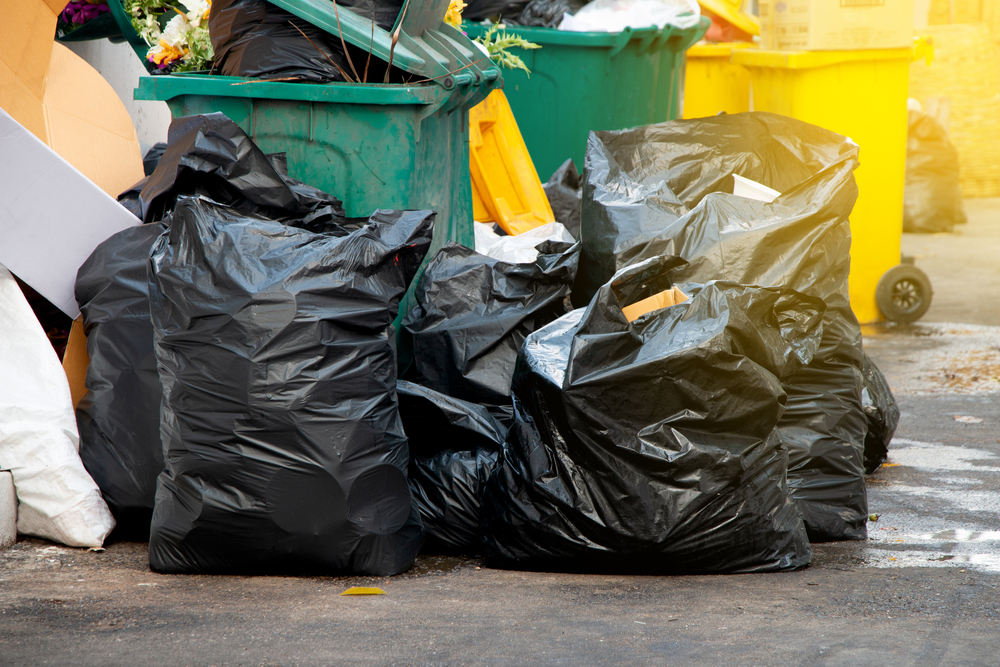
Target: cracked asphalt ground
x,y
923,590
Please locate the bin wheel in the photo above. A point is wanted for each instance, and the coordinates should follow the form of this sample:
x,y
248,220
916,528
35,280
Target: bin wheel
x,y
904,294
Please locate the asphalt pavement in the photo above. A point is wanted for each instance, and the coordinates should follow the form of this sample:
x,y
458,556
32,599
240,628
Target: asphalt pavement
x,y
924,589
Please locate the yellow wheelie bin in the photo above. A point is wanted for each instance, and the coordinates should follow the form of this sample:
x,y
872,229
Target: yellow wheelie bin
x,y
713,83
862,95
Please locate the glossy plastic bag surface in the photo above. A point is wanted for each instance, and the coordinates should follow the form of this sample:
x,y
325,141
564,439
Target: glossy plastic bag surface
x,y
210,155
650,446
883,416
666,190
473,313
283,445
454,446
119,416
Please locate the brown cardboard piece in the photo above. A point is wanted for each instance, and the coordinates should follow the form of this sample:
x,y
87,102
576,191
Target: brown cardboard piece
x,y
64,102
665,299
825,25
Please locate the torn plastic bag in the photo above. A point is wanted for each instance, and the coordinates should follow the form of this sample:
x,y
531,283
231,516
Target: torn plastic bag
x,y
454,446
56,497
282,439
548,13
119,416
473,313
255,39
882,413
932,199
565,195
210,155
650,446
664,190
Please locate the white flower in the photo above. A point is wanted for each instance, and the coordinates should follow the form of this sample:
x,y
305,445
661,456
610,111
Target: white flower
x,y
176,32
197,10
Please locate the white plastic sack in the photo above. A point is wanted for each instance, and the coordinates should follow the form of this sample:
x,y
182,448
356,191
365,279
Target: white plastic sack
x,y
520,249
39,443
616,15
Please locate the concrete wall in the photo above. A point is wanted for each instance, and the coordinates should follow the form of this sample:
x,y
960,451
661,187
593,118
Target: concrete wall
x,y
120,66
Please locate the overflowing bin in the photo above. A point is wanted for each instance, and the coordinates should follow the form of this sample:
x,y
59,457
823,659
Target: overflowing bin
x,y
583,81
375,145
862,95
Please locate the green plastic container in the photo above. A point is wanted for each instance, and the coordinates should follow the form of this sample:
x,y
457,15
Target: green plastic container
x,y
374,146
583,81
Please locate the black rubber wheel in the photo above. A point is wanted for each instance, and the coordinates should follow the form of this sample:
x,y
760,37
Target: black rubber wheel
x,y
904,293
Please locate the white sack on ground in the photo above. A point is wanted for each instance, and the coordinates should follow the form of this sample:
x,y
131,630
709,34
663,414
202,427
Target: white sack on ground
x,y
38,438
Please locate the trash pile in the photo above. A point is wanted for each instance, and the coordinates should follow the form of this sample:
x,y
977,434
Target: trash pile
x,y
666,379
932,198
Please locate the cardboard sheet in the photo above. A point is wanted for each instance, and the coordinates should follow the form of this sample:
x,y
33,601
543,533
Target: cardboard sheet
x,y
51,216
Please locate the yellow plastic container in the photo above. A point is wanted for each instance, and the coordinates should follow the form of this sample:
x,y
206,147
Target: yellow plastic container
x,y
862,95
505,186
713,83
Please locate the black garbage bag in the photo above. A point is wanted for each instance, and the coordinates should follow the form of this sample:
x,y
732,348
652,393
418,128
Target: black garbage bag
x,y
383,12
932,198
473,313
650,446
152,157
210,155
477,10
664,190
119,416
448,490
253,38
281,434
565,195
882,413
454,447
548,13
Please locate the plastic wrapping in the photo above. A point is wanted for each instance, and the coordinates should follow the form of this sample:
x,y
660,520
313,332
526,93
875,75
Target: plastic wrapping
x,y
454,447
473,313
210,155
650,446
282,439
932,198
119,416
882,413
565,195
617,15
663,190
253,38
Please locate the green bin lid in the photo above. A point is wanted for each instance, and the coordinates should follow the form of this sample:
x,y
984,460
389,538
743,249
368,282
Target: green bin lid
x,y
426,46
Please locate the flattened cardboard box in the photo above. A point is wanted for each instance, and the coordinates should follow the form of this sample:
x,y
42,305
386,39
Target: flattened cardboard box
x,y
835,25
51,216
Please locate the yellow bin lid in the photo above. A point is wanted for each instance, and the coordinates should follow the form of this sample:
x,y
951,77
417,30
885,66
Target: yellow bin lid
x,y
921,48
715,50
731,10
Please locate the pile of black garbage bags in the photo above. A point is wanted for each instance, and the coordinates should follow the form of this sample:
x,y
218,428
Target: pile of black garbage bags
x,y
682,389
